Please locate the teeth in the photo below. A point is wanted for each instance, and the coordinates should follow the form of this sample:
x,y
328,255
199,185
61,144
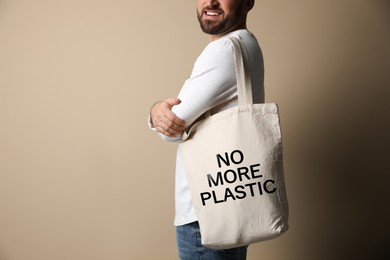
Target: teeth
x,y
212,13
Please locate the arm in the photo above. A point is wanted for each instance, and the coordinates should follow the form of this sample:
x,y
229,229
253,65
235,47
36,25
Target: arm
x,y
212,83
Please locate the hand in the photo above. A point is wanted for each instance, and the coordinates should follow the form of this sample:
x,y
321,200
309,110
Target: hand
x,y
164,120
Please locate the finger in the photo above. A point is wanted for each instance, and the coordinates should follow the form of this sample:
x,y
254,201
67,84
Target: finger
x,y
164,120
168,131
172,101
174,121
169,103
168,125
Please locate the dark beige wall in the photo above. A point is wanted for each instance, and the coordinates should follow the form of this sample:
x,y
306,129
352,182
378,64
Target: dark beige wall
x,y
82,177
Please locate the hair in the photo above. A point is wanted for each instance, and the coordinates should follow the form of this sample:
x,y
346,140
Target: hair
x,y
252,4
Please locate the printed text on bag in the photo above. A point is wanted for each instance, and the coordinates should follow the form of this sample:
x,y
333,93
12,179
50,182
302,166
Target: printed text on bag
x,y
235,175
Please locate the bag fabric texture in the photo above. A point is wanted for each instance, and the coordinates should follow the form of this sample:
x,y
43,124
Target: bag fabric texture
x,y
234,166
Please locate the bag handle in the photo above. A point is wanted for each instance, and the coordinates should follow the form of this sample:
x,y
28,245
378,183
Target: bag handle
x,y
244,84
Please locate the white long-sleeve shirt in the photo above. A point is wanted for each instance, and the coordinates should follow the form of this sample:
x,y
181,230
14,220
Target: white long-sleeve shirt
x,y
212,86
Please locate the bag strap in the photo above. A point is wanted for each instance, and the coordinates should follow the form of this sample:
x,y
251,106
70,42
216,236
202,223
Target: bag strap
x,y
244,84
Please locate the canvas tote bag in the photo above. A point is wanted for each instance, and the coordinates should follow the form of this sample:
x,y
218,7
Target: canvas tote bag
x,y
234,167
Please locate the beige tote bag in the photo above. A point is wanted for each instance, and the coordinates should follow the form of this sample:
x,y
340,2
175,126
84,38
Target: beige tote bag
x,y
234,166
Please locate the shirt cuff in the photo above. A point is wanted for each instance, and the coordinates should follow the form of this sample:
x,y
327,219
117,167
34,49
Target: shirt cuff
x,y
150,124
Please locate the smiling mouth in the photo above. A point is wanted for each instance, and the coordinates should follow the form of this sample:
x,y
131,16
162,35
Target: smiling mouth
x,y
212,13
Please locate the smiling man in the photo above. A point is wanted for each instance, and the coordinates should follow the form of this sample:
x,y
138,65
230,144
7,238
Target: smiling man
x,y
211,87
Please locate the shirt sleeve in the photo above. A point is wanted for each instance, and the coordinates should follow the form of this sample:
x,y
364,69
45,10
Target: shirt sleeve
x,y
212,82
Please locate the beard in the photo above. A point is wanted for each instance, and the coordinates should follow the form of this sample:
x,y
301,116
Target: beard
x,y
219,27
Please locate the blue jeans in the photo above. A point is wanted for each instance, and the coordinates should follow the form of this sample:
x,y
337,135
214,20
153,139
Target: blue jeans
x,y
190,246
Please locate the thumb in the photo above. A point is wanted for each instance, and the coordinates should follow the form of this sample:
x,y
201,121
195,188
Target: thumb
x,y
172,101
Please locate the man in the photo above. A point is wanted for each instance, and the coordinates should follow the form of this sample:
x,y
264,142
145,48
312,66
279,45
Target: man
x,y
211,86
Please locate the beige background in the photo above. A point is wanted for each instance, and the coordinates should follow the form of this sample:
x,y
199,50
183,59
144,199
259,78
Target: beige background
x,y
82,177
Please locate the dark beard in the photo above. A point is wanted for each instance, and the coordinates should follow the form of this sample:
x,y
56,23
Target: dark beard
x,y
213,28
217,28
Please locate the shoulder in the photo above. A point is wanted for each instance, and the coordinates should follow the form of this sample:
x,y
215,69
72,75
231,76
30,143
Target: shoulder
x,y
217,55
219,48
